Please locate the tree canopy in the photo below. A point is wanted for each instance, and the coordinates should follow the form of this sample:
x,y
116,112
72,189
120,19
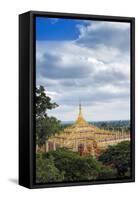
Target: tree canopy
x,y
46,170
43,102
45,126
118,157
78,168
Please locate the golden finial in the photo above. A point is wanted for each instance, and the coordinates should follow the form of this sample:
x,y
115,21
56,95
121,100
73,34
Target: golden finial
x,y
79,109
80,120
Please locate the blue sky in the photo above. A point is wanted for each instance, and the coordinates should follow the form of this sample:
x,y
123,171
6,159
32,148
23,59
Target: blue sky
x,y
56,29
87,61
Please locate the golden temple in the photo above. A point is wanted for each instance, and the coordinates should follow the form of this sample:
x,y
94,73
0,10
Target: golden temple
x,y
85,138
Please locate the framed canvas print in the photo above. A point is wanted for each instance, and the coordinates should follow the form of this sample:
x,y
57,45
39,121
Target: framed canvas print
x,y
76,99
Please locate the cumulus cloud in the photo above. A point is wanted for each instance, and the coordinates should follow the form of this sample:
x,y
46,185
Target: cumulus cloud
x,y
94,69
111,34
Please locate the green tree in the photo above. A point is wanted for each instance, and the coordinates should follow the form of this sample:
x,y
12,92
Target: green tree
x,y
46,171
45,125
104,125
45,128
77,168
118,157
43,102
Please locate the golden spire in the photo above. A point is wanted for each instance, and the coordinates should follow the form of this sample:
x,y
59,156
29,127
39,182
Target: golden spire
x,y
80,121
80,113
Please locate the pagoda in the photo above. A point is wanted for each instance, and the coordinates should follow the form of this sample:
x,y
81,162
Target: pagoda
x,y
84,138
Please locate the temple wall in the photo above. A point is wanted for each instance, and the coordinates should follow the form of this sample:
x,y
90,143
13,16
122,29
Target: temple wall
x,y
105,144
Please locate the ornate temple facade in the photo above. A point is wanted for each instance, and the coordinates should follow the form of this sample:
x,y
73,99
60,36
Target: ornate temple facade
x,y
85,138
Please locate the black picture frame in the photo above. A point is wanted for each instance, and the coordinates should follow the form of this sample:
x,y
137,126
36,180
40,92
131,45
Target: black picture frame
x,y
27,96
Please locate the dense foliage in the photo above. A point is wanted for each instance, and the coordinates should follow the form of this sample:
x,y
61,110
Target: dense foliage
x,y
45,125
71,167
118,158
43,102
46,170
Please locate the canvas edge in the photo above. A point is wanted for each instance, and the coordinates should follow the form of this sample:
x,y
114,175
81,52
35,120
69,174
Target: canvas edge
x,y
32,15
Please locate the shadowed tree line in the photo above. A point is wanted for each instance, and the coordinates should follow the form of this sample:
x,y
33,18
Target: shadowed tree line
x,y
118,157
117,125
64,165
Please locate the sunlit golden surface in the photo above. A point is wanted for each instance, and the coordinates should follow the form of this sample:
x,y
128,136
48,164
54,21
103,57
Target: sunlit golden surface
x,y
85,138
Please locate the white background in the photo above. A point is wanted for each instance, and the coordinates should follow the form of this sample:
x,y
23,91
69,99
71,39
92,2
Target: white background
x,y
9,11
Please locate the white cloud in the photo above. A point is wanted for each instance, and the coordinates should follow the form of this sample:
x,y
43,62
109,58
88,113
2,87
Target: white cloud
x,y
97,74
108,34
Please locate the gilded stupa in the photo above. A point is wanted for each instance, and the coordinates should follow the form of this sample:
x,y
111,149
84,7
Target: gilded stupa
x,y
84,138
